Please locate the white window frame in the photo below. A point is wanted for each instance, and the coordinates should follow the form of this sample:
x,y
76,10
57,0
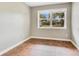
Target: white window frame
x,y
54,10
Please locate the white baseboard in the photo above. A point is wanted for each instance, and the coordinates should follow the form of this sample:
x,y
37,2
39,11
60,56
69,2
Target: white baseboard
x,y
8,49
74,44
51,38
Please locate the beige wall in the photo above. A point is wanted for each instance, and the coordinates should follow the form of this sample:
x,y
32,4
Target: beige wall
x,y
14,23
75,23
52,33
13,7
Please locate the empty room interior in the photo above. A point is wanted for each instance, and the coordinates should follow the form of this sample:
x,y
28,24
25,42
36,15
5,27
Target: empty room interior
x,y
39,28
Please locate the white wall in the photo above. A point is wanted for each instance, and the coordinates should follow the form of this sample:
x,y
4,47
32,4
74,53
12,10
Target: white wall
x,y
51,33
75,22
14,23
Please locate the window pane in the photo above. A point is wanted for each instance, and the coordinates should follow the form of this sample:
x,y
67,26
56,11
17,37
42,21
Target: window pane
x,y
44,19
58,19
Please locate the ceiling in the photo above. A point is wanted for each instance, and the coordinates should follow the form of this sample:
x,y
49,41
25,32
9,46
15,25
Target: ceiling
x,y
33,4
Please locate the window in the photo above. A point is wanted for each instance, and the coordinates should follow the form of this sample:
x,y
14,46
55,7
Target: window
x,y
54,18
